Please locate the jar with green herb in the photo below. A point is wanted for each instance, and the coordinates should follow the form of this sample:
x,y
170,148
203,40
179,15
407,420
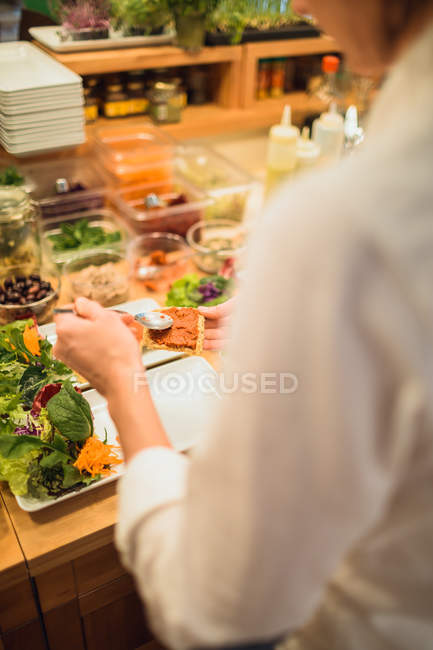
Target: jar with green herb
x,y
164,104
19,230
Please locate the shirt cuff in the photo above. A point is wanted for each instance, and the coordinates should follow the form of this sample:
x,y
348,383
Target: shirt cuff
x,y
155,477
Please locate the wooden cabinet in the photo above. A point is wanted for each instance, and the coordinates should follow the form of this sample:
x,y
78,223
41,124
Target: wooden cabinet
x,y
91,603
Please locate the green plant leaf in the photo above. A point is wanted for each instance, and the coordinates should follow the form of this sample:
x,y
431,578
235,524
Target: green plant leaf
x,y
70,413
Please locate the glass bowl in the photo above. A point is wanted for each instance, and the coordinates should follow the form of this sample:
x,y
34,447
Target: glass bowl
x,y
97,275
216,241
158,259
42,307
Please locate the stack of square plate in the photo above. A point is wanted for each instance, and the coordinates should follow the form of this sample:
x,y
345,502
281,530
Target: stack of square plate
x,y
41,101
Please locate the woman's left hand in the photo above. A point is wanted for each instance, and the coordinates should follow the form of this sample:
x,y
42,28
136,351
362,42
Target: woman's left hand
x,y
99,345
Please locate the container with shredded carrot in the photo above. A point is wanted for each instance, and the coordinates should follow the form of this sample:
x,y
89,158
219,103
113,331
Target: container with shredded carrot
x,y
96,457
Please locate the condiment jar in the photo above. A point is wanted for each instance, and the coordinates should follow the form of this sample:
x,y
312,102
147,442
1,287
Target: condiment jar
x,y
138,101
19,230
164,107
116,102
90,106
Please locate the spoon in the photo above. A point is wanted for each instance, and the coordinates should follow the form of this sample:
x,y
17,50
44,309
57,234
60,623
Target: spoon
x,y
153,320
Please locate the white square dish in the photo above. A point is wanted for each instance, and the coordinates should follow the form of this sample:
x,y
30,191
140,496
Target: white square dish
x,y
184,400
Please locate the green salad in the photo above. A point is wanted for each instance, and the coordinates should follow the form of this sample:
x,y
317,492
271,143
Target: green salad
x,y
192,291
47,442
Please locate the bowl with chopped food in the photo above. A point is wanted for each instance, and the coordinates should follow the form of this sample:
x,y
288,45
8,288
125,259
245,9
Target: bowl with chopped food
x,y
66,236
158,259
28,295
98,275
216,241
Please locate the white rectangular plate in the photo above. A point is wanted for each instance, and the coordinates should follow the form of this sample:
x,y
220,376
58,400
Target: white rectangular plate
x,y
183,401
24,66
49,36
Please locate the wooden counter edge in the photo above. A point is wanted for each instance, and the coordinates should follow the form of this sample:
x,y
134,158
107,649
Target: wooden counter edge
x,y
12,562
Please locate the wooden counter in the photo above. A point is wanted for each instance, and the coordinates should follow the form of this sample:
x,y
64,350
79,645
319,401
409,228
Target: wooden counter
x,y
66,554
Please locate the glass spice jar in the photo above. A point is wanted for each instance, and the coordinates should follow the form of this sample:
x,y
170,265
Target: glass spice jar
x,y
90,106
19,230
164,105
138,102
116,103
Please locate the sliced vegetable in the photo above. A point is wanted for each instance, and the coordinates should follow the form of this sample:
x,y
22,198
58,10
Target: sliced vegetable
x,y
96,457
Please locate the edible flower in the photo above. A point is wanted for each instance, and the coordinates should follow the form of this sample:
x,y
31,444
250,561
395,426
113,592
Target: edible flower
x,y
96,457
31,340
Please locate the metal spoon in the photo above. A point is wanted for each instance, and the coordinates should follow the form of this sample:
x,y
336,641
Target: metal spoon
x,y
153,320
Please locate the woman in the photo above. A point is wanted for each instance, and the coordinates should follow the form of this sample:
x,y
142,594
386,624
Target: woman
x,y
306,514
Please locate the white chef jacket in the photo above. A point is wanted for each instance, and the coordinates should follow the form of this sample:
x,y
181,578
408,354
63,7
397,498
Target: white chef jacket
x,y
311,512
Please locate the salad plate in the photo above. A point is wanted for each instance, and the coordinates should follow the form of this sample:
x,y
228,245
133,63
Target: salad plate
x,y
185,396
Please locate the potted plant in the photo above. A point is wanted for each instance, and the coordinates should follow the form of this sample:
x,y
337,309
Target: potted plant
x,y
191,17
243,21
85,19
140,17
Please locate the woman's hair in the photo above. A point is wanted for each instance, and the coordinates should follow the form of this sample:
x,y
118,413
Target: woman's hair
x,y
399,14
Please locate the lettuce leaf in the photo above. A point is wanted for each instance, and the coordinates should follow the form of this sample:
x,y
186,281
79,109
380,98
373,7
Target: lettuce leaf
x,y
16,472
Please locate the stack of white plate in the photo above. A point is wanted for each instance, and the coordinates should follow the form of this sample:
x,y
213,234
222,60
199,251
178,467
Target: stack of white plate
x,y
41,101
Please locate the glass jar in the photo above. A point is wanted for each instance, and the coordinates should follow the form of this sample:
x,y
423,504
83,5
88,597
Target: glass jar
x,y
164,106
116,103
19,230
90,106
138,101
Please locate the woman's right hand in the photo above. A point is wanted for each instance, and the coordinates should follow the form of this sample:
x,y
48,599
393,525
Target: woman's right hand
x,y
216,324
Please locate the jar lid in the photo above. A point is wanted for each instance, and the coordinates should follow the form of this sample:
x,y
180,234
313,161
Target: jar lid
x,y
14,202
114,88
135,85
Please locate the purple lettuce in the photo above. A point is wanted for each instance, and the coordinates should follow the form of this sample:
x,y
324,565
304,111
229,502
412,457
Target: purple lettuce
x,y
209,291
29,429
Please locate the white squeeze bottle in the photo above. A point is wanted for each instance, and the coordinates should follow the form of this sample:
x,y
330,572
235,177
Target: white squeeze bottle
x,y
307,152
328,133
282,148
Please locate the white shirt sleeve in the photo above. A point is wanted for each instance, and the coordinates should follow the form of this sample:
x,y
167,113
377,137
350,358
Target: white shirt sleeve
x,y
238,543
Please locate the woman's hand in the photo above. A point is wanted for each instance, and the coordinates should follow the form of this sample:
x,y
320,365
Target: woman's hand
x,y
99,345
216,324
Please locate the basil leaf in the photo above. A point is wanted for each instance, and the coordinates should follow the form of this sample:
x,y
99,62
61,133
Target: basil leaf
x,y
71,475
32,380
55,458
70,413
60,444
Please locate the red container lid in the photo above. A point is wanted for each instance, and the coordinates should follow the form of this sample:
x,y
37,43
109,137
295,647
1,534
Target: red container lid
x,y
330,63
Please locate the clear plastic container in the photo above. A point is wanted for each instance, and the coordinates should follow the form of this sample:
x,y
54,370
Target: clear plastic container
x,y
82,171
130,155
132,204
214,242
98,275
105,219
236,195
158,259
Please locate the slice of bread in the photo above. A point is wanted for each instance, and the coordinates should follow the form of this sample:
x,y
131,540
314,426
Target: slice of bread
x,y
166,339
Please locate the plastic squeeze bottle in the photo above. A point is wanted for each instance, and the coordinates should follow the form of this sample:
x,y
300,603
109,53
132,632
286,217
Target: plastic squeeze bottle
x,y
328,134
282,148
307,152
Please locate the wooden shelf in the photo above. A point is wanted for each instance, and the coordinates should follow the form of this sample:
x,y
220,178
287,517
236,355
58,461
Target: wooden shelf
x,y
253,52
142,58
212,119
